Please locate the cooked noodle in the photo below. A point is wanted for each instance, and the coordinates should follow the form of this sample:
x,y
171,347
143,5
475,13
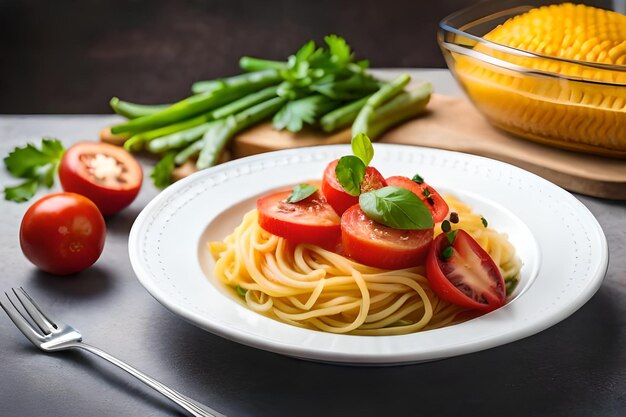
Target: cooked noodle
x,y
307,286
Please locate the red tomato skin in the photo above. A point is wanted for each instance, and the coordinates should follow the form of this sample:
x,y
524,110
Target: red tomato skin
x,y
446,290
62,233
110,200
336,195
439,209
324,231
377,253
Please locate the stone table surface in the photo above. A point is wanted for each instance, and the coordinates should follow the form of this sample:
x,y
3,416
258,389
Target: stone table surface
x,y
575,368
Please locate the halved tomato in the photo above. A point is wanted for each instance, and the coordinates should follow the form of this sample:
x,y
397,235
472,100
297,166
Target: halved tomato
x,y
337,197
311,220
431,198
374,244
108,175
468,277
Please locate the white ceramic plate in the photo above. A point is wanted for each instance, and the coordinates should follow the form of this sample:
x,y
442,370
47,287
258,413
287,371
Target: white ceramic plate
x,y
562,246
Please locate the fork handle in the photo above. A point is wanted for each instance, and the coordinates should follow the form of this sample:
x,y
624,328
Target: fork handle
x,y
193,407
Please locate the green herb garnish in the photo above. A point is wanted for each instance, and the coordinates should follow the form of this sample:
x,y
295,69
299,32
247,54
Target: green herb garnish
x,y
240,291
426,192
296,113
482,219
300,192
452,236
362,148
36,166
350,171
162,172
396,207
447,253
417,179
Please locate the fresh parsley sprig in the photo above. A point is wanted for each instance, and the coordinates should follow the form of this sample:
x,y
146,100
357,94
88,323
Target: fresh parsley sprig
x,y
37,166
162,172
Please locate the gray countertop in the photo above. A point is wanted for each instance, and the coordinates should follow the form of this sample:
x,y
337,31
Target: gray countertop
x,y
575,368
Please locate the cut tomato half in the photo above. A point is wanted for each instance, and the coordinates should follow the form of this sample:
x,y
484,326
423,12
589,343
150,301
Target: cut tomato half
x,y
337,197
374,244
108,175
467,277
311,220
431,198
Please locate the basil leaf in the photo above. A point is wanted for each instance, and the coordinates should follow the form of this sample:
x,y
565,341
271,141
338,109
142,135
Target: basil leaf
x,y
300,192
350,171
362,148
396,207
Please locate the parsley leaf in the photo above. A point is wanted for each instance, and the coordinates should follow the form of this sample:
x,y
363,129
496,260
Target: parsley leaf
x,y
37,166
301,192
339,49
295,113
22,192
297,71
396,207
24,162
162,172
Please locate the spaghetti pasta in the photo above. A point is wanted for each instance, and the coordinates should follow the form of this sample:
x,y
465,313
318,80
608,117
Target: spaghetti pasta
x,y
307,286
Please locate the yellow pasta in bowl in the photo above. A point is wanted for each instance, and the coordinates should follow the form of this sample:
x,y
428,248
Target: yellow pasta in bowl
x,y
554,74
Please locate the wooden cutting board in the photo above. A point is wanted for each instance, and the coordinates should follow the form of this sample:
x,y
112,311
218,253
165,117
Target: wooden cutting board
x,y
452,123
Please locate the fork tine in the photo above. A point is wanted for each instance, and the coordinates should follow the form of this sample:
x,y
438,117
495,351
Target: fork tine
x,y
20,321
34,311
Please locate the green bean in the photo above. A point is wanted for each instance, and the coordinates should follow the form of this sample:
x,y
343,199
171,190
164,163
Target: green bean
x,y
384,94
190,106
216,138
260,78
133,110
245,102
250,64
188,152
343,116
136,142
178,139
402,107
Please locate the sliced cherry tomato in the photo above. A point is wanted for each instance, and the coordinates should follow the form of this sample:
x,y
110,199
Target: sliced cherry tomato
x,y
468,277
337,197
374,244
108,175
311,220
432,199
62,233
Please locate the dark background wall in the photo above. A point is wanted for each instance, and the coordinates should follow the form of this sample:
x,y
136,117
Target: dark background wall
x,y
66,56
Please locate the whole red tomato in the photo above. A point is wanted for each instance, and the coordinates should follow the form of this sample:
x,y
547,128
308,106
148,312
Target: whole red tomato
x,y
62,233
107,175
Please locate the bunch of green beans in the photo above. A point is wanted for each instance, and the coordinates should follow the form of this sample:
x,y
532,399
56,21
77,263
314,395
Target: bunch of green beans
x,y
321,87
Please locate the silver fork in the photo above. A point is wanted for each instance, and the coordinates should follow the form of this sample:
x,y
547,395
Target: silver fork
x,y
52,335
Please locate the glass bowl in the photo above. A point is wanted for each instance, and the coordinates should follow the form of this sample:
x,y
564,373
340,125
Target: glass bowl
x,y
570,104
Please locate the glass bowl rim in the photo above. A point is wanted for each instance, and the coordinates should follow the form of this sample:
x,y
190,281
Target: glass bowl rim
x,y
445,25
